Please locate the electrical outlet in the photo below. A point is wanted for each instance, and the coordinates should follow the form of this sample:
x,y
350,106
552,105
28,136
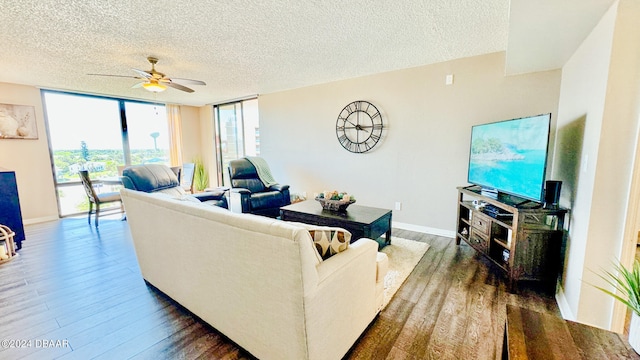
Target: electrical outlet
x,y
398,205
448,80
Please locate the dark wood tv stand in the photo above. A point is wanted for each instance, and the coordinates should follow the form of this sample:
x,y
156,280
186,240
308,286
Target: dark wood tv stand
x,y
523,241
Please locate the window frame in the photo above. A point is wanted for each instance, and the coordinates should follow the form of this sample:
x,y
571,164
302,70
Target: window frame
x,y
217,133
126,149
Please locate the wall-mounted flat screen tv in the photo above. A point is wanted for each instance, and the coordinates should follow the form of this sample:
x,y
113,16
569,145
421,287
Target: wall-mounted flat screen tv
x,y
510,156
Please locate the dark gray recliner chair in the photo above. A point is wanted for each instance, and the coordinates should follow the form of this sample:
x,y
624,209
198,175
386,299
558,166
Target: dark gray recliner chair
x,y
256,194
152,178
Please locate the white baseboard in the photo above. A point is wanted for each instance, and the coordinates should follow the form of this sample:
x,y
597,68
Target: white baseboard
x,y
565,309
39,220
423,229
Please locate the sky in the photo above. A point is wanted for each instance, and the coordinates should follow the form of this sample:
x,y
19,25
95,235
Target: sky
x,y
73,119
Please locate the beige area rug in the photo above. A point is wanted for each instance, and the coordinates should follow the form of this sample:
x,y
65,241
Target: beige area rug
x,y
403,255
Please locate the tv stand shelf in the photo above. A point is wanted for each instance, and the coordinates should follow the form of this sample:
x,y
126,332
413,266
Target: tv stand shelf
x,y
523,240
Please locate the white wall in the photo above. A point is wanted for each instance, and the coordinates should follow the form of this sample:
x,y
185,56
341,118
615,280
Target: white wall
x,y
30,159
600,97
424,153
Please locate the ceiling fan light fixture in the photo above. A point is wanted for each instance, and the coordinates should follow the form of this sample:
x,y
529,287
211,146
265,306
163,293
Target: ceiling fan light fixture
x,y
154,87
155,81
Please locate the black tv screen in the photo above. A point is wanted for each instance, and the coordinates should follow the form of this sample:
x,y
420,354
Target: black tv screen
x,y
511,156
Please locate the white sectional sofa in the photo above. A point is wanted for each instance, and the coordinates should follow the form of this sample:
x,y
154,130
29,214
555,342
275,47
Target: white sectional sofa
x,y
257,280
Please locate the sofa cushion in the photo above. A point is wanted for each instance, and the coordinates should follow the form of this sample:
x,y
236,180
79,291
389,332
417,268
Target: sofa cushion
x,y
329,240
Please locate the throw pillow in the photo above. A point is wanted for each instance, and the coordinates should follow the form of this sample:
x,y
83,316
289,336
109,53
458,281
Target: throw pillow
x,y
330,241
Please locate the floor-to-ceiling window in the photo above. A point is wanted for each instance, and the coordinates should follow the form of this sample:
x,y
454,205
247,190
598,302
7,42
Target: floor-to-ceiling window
x,y
100,135
147,133
237,134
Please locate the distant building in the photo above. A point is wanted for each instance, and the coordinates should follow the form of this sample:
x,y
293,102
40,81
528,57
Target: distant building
x,y
89,166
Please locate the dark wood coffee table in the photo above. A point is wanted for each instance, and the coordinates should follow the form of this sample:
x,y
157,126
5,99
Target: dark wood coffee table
x,y
360,221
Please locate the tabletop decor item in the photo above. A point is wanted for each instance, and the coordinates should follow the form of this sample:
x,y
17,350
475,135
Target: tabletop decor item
x,y
334,200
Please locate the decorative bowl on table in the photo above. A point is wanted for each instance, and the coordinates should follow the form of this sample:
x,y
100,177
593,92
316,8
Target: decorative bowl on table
x,y
335,201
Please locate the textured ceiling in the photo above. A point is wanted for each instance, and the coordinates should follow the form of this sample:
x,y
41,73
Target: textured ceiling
x,y
239,48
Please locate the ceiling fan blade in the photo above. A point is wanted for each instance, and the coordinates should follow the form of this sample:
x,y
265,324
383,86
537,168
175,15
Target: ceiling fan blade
x,y
122,76
143,73
156,81
188,81
179,87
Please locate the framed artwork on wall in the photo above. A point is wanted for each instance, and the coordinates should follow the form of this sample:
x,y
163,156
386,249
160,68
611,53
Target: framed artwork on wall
x,y
18,122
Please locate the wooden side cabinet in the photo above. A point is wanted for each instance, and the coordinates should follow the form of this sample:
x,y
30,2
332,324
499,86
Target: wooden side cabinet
x,y
10,214
520,237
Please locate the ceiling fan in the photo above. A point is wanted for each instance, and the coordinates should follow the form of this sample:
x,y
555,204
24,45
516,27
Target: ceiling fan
x,y
156,81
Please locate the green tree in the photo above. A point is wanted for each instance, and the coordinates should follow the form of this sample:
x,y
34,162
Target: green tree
x,y
84,150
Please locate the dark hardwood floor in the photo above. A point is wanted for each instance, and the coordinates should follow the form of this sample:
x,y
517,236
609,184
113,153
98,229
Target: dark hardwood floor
x,y
76,293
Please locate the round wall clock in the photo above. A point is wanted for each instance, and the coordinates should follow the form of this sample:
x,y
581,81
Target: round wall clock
x,y
359,126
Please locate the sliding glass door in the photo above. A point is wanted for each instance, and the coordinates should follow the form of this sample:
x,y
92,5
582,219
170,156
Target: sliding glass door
x,y
100,135
237,134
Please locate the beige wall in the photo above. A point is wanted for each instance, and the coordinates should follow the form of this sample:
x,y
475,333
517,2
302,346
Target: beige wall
x,y
424,153
197,138
30,159
599,107
190,133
